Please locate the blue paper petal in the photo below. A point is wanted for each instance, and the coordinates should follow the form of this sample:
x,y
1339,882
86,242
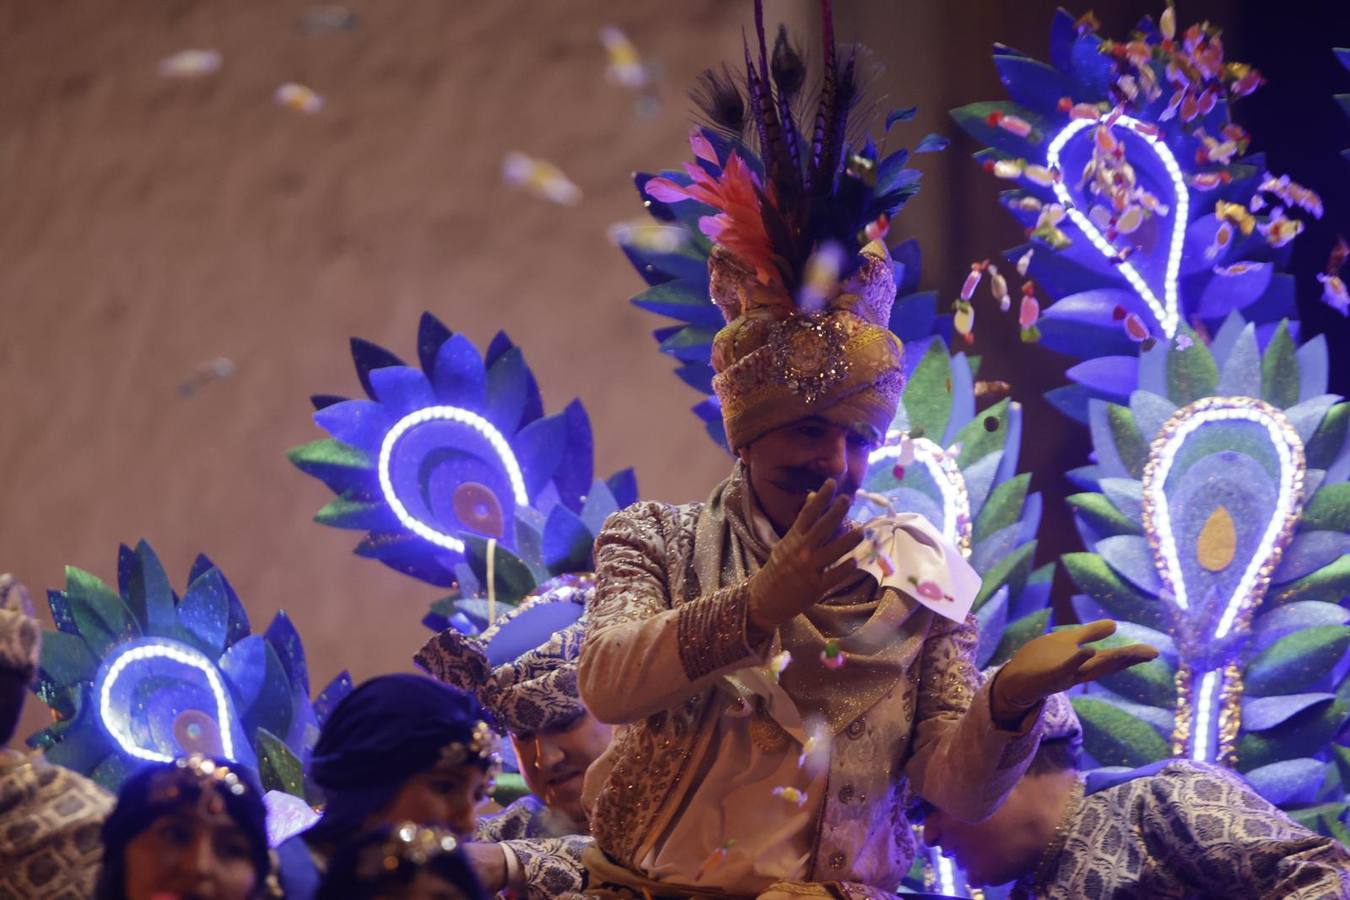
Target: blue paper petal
x,y
992,618
932,143
1131,557
1108,377
508,391
458,374
1308,414
1240,373
539,448
431,335
1225,293
402,389
205,612
600,504
567,542
1261,713
1150,412
1308,552
361,423
281,634
369,357
1289,781
1313,368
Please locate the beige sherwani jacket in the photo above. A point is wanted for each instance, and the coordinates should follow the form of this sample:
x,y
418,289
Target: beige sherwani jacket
x,y
659,644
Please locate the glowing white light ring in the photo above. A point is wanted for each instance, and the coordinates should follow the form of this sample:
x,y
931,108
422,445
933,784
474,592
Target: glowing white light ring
x,y
1204,711
179,653
448,414
1164,311
956,524
1158,516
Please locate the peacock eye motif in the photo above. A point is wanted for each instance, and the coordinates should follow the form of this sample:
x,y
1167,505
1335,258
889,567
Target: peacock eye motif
x,y
142,673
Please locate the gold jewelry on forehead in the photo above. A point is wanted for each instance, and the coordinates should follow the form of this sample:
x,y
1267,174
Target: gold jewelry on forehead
x,y
197,780
407,843
482,746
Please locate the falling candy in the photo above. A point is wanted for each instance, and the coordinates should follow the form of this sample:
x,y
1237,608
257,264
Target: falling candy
x,y
190,64
778,663
643,235
973,279
998,287
1029,313
715,859
791,795
1024,262
625,64
1008,168
963,320
1237,214
1280,229
1333,285
820,278
213,370
541,178
832,657
297,97
1223,236
1009,123
877,229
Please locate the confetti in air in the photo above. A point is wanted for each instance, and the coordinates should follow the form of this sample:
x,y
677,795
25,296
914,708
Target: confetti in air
x,y
190,64
540,178
213,370
299,98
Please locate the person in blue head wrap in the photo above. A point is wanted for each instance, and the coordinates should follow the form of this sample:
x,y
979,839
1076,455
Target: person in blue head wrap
x,y
192,828
399,748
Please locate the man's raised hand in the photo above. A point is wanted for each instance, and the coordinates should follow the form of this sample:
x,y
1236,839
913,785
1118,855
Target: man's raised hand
x,y
805,565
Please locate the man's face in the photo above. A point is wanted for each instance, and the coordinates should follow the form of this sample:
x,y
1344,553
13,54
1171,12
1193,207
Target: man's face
x,y
553,761
992,852
790,462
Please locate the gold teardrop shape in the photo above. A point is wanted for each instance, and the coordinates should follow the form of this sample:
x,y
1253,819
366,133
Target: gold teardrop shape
x,y
1217,544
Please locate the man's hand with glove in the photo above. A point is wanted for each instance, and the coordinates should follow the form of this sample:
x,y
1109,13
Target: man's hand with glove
x,y
1055,662
807,564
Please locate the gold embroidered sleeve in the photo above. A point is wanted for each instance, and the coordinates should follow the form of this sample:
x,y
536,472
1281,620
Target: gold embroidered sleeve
x,y
643,654
962,762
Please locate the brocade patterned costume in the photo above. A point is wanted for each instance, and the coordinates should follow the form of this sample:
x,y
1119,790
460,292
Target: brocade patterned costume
x,y
49,816
550,863
668,655
526,690
49,829
1181,829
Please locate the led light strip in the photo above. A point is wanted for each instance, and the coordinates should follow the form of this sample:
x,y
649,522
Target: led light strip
x,y
1288,505
447,414
1166,313
956,524
1204,713
178,653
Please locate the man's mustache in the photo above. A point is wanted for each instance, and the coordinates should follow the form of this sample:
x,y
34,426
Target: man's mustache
x,y
798,480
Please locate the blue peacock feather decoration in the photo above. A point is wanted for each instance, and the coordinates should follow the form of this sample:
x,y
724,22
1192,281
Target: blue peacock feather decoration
x,y
143,674
1143,208
1217,525
457,476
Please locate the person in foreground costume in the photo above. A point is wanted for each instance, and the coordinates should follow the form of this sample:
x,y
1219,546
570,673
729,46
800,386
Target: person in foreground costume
x,y
780,675
401,861
398,748
195,827
49,815
1172,829
523,671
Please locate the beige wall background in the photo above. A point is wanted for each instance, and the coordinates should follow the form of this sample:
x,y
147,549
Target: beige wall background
x,y
150,225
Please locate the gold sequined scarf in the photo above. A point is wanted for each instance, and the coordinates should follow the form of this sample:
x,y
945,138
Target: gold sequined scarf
x,y
866,623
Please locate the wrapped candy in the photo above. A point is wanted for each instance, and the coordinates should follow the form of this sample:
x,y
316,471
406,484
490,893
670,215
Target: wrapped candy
x,y
791,795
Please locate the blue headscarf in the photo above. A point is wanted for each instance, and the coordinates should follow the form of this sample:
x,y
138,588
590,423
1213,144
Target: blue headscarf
x,y
387,730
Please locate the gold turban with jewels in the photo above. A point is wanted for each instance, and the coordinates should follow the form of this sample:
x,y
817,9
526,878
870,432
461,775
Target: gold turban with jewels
x,y
777,363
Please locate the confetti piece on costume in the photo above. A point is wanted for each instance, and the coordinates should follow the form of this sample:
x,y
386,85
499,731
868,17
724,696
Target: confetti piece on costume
x,y
779,663
299,98
832,656
791,795
190,64
715,859
541,178
1184,342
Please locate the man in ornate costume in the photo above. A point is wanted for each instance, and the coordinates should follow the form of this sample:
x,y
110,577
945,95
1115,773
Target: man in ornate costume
x,y
780,675
49,816
523,671
1169,830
